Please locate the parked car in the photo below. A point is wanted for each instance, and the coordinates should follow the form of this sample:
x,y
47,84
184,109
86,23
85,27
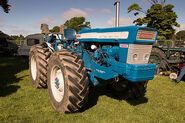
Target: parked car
x,y
29,41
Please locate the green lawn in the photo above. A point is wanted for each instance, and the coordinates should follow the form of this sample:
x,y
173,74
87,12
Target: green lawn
x,y
20,102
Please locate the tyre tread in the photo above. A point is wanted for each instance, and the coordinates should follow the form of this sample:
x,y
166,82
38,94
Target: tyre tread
x,y
43,55
77,80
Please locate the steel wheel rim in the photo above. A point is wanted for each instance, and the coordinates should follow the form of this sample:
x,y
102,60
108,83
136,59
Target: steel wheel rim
x,y
57,83
173,76
33,67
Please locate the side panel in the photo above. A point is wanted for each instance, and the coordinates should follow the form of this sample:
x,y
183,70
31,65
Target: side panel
x,y
97,70
123,51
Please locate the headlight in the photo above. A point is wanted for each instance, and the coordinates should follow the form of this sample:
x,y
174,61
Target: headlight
x,y
134,57
146,57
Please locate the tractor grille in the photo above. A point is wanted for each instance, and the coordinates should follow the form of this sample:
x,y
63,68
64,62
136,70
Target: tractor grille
x,y
138,54
147,35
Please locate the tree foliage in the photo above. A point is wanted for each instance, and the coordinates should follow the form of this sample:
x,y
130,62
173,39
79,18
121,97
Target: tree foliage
x,y
3,35
4,4
56,29
180,35
153,2
137,8
159,17
16,38
19,39
77,23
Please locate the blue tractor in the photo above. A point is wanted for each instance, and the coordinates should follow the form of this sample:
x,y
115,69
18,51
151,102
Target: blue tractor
x,y
67,63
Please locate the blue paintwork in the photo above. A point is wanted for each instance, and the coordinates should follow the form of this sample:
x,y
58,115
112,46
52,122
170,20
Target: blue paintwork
x,y
114,63
123,51
69,34
136,72
57,83
97,70
140,72
131,38
112,51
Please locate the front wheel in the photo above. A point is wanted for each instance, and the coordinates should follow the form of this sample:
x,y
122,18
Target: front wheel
x,y
129,90
68,83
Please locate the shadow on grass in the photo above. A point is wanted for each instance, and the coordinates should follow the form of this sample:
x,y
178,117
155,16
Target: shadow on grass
x,y
138,101
9,67
97,91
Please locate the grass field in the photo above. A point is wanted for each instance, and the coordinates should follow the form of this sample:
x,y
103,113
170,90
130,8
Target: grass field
x,y
20,102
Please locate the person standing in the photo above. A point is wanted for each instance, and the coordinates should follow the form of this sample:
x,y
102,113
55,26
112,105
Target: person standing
x,y
182,73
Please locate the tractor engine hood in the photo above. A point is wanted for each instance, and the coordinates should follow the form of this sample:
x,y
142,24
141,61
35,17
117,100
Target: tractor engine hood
x,y
129,35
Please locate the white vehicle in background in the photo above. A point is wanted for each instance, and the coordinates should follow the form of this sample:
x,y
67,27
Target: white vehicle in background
x,y
29,41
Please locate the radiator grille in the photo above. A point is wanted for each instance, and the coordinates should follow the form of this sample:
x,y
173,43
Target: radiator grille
x,y
141,51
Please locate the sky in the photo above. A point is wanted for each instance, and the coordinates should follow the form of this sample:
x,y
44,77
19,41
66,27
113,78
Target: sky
x,y
26,16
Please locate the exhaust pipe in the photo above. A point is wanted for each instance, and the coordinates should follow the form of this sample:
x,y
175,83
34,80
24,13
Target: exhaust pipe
x,y
117,3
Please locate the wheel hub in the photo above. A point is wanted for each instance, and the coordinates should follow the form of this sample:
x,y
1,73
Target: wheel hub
x,y
57,83
33,68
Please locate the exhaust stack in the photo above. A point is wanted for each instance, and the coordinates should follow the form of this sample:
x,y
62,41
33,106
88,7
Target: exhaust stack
x,y
117,3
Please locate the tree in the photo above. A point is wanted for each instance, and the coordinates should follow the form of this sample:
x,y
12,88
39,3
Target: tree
x,y
77,23
180,35
55,29
157,2
19,39
4,4
158,16
3,35
16,38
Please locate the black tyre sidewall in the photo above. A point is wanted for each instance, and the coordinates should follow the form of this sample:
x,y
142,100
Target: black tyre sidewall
x,y
161,54
59,106
134,90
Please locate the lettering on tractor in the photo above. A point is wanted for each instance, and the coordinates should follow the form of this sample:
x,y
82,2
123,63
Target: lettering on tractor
x,y
67,63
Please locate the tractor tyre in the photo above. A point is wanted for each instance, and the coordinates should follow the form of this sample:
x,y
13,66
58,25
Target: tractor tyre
x,y
158,57
129,90
137,90
68,83
38,61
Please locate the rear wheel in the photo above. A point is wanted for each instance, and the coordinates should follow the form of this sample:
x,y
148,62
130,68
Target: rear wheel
x,y
68,83
38,61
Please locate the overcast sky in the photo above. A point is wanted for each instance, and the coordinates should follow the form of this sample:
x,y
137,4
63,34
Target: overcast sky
x,y
26,16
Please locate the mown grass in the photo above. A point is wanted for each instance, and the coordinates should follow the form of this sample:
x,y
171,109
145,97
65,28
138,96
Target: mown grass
x,y
20,102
